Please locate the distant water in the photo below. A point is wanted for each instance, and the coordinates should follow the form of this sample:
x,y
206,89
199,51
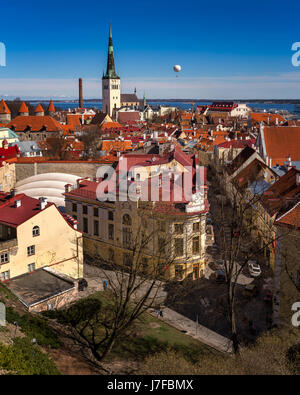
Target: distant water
x,y
290,107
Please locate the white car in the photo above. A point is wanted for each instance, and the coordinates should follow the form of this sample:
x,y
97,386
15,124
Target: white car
x,y
254,268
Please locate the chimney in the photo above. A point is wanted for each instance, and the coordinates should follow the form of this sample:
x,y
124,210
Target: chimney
x,y
68,188
18,203
43,203
80,94
13,192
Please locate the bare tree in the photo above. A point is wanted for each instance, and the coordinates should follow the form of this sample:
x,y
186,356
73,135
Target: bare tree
x,y
133,286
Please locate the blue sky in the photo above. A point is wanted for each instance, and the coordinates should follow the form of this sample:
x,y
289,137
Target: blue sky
x,y
227,49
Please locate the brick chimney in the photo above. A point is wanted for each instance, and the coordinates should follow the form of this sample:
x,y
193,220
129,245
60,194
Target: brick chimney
x,y
80,94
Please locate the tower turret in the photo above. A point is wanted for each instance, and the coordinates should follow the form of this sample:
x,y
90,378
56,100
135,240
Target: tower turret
x,y
5,113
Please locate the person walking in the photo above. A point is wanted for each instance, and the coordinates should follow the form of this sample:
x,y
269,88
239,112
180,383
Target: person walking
x,y
105,285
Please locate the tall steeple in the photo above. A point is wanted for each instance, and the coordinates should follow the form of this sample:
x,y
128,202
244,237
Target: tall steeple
x,y
110,70
111,83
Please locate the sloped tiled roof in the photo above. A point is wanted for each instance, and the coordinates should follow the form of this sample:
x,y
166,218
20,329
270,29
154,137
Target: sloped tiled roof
x,y
36,124
51,107
281,143
241,158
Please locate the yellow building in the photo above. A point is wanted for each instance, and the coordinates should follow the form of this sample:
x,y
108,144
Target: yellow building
x,y
175,232
33,235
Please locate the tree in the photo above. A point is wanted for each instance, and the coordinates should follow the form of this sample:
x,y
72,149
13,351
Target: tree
x,y
133,286
90,136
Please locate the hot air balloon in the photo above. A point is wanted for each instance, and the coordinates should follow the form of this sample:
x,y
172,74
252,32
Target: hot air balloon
x,y
177,68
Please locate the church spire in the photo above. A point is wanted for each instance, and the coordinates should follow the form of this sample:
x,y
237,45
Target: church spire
x,y
110,70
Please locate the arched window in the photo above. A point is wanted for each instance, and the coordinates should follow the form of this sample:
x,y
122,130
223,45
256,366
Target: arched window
x,y
36,231
127,220
127,233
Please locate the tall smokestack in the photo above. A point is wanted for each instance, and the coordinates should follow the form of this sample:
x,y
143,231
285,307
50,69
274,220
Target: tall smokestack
x,y
80,94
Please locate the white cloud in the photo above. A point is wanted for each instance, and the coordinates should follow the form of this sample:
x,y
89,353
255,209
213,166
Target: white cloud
x,y
284,86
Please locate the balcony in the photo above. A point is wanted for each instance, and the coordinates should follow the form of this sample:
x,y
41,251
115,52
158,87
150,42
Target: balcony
x,y
7,244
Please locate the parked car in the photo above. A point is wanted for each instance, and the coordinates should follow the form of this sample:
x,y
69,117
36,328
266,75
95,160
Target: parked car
x,y
254,268
82,284
250,290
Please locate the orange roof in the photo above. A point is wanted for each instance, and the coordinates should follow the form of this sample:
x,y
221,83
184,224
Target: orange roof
x,y
281,143
51,107
291,218
266,117
39,108
23,107
111,125
74,119
3,108
108,145
36,124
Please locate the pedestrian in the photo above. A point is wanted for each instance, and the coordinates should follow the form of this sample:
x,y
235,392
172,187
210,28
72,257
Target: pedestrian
x,y
158,313
161,313
105,285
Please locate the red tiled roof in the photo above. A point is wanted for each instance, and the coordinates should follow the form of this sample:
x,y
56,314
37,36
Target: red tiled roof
x,y
126,116
15,216
3,108
266,117
291,218
281,143
39,108
287,187
23,108
237,143
51,107
36,124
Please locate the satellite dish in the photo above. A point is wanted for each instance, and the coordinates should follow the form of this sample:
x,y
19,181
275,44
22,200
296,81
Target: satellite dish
x,y
177,68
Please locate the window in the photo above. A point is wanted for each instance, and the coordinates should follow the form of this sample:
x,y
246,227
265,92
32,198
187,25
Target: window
x,y
179,246
196,245
127,220
96,228
111,232
30,250
4,258
196,227
298,279
127,260
178,272
85,225
31,267
162,226
178,228
36,231
110,215
111,255
96,212
5,275
127,237
74,207
85,209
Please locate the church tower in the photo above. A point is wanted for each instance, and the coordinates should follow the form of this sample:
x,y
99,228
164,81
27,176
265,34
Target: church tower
x,y
111,89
